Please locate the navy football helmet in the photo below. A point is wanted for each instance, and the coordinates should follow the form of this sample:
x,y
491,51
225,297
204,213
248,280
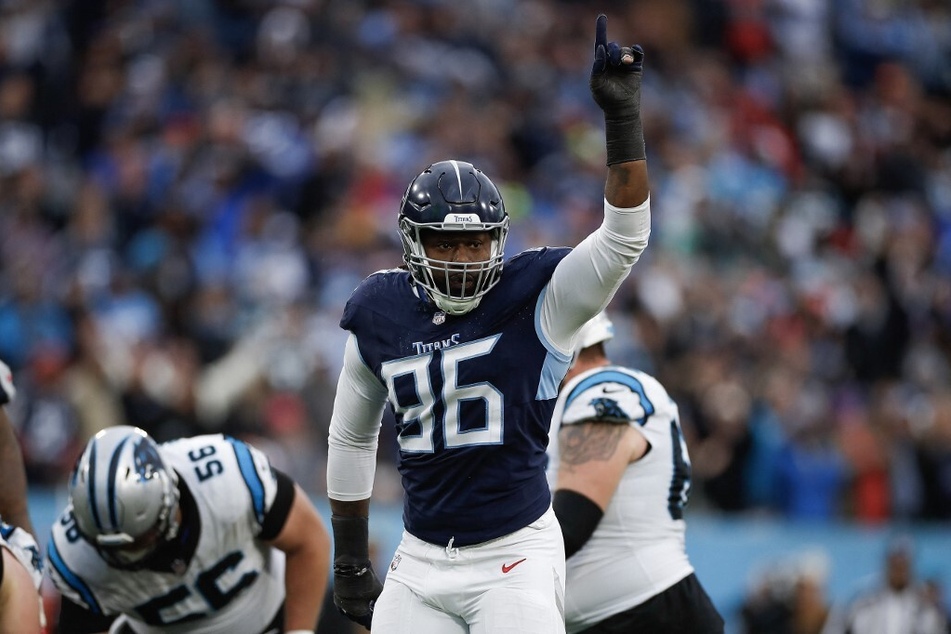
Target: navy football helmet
x,y
453,196
124,497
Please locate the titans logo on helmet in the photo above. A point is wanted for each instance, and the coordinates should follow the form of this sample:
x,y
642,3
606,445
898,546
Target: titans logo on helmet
x,y
606,408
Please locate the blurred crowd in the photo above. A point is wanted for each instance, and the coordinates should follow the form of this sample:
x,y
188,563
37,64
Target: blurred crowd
x,y
789,596
190,189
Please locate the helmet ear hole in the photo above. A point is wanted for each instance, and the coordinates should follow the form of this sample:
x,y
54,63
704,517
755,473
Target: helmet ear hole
x,y
123,495
453,196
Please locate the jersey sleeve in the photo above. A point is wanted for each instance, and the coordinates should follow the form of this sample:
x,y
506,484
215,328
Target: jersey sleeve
x,y
586,280
354,429
608,396
276,516
22,545
75,618
262,484
65,563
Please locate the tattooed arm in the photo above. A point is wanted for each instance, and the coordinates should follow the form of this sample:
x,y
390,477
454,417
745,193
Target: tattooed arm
x,y
594,456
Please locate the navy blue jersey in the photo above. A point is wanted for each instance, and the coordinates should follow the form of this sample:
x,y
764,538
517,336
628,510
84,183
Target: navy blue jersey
x,y
472,394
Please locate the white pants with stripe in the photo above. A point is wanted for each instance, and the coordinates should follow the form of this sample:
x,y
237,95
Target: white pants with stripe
x,y
513,584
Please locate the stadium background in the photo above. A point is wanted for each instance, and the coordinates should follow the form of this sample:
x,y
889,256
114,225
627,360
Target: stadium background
x,y
189,190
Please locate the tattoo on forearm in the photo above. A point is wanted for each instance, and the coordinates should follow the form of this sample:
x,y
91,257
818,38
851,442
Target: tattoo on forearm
x,y
585,443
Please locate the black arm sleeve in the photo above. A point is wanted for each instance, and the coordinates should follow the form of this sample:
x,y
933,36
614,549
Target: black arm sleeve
x,y
578,516
283,501
75,619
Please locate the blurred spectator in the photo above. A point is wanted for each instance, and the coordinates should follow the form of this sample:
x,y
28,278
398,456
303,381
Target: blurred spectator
x,y
788,597
49,427
898,604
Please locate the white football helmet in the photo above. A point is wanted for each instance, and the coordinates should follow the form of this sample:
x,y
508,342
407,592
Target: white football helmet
x,y
598,329
124,498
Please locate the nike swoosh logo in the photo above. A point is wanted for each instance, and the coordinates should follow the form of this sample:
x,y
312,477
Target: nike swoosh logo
x,y
612,390
508,567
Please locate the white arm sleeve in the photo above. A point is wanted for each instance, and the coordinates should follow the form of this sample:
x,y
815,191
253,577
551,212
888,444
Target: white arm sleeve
x,y
585,281
354,429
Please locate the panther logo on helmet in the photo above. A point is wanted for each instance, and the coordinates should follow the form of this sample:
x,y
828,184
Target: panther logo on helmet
x,y
146,458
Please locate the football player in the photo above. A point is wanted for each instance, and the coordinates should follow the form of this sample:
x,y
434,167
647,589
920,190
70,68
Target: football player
x,y
469,357
620,472
13,507
21,606
194,535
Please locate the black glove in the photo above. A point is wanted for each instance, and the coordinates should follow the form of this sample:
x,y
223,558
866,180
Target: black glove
x,y
7,391
616,87
356,586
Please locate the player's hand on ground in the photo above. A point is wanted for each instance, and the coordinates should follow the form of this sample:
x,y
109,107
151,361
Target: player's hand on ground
x,y
356,588
7,391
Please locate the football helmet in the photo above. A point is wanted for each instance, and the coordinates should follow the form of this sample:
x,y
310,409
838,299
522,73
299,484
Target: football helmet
x,y
598,329
124,497
453,196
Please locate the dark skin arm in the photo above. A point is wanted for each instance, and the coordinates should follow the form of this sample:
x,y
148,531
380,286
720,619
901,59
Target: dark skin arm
x,y
360,508
627,184
13,508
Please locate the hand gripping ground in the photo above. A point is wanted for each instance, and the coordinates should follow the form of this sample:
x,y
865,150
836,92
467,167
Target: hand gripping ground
x,y
616,87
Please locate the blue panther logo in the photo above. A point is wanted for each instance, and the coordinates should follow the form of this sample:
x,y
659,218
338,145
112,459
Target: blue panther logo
x,y
608,408
147,459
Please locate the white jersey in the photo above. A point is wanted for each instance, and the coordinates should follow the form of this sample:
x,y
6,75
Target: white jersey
x,y
234,582
637,550
22,546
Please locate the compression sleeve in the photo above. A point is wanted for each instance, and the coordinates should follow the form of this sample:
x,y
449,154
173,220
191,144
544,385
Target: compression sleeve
x,y
587,278
354,428
578,516
76,619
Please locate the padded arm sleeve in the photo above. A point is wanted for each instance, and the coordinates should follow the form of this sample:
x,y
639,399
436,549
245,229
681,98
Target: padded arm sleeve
x,y
354,429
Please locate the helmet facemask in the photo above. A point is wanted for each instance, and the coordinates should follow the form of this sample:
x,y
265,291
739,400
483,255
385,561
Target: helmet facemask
x,y
435,275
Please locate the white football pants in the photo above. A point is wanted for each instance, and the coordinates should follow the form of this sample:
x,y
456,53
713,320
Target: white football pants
x,y
514,584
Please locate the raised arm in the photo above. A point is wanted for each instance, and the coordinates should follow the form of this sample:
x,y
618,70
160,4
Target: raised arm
x,y
627,184
587,279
